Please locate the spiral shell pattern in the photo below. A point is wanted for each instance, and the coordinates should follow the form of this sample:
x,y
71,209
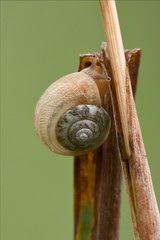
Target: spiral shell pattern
x,y
83,128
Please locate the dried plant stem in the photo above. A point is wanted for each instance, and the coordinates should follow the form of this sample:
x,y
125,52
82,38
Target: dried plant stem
x,y
97,186
117,59
98,175
144,209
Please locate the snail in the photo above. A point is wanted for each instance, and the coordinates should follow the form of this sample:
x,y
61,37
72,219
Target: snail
x,y
69,119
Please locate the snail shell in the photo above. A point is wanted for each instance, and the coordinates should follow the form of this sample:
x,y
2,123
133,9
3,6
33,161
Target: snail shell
x,y
69,118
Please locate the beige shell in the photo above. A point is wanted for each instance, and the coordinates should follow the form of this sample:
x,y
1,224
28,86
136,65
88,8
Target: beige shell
x,y
67,92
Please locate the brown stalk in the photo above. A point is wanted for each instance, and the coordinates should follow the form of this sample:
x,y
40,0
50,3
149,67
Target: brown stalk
x,y
97,184
143,205
98,175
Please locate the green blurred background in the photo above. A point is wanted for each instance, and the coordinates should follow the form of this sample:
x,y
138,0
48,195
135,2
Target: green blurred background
x,y
40,42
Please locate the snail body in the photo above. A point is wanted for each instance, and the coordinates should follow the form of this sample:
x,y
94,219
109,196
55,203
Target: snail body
x,y
69,118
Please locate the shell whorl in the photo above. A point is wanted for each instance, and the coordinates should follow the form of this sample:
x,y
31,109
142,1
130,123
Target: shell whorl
x,y
83,128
